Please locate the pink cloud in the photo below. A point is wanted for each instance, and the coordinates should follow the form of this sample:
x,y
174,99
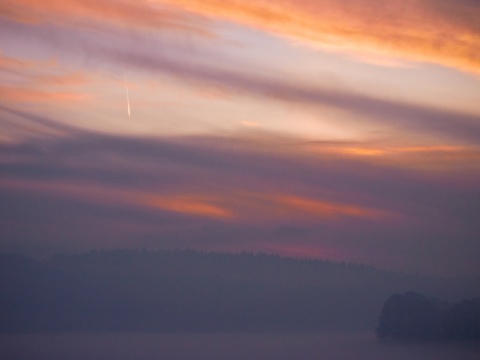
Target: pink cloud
x,y
444,32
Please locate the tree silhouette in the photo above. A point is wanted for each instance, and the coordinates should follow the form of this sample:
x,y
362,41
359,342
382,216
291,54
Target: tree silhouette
x,y
413,317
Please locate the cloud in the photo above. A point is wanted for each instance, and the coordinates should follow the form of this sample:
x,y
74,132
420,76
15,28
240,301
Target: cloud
x,y
250,123
438,158
329,210
24,95
235,194
258,200
37,124
156,55
64,188
444,32
12,64
95,13
28,81
402,116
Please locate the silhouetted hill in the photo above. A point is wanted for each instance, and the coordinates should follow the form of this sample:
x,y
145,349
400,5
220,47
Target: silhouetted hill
x,y
130,290
412,317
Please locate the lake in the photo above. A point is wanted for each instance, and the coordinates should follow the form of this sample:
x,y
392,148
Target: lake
x,y
298,346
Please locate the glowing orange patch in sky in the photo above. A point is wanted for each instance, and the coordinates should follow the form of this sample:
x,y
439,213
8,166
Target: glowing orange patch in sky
x,y
379,151
252,207
188,205
194,205
414,30
426,157
82,12
329,209
363,151
34,96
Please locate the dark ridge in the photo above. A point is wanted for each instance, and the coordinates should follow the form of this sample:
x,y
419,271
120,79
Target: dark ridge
x,y
412,317
186,290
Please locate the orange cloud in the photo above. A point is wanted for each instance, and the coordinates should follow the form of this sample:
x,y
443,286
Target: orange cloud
x,y
137,13
8,63
18,66
444,32
250,123
38,81
421,157
188,205
228,206
383,32
267,206
327,209
392,150
23,94
198,205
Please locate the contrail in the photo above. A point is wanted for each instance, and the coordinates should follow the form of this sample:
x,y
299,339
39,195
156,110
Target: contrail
x,y
126,88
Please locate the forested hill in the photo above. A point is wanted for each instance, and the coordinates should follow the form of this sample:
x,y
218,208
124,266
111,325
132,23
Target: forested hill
x,y
129,290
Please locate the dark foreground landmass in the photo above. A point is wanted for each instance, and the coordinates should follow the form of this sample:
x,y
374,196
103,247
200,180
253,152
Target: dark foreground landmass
x,y
412,317
184,291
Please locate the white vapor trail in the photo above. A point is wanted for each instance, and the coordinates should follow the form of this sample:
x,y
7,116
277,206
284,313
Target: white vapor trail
x,y
126,88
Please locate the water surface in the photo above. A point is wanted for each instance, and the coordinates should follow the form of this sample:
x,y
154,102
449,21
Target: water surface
x,y
305,346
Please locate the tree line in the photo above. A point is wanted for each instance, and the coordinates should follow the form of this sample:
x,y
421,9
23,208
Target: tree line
x,y
412,317
185,290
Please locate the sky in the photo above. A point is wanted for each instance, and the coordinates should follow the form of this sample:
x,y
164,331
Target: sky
x,y
346,130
